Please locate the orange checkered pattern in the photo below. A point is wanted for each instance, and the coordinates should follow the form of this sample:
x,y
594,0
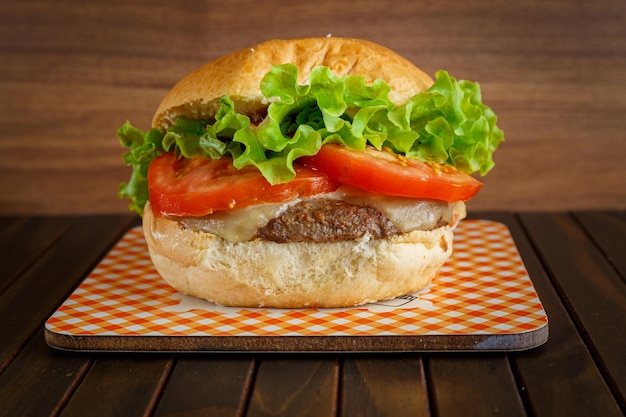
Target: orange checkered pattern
x,y
483,289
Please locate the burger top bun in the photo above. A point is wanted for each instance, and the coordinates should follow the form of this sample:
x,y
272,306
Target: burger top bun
x,y
239,74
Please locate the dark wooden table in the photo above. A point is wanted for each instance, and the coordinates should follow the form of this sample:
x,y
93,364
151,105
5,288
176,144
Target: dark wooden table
x,y
577,262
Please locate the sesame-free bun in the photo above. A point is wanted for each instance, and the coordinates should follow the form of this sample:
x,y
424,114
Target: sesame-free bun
x,y
261,273
239,75
297,274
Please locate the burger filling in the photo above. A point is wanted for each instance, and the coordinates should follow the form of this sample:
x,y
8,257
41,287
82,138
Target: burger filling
x,y
327,220
342,215
307,142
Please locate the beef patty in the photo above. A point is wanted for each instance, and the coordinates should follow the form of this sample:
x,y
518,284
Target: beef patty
x,y
327,220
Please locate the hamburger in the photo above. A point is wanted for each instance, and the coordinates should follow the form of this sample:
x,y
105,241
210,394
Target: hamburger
x,y
315,172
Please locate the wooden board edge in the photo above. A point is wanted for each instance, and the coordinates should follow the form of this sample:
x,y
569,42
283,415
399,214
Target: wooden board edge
x,y
309,344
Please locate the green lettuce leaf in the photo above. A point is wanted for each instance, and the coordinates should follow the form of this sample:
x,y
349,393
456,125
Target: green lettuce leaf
x,y
454,126
143,148
448,124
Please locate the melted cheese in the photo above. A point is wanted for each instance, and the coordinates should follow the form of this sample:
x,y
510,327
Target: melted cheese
x,y
236,225
407,214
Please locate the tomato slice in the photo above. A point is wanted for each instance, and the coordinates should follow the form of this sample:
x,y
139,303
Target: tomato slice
x,y
199,186
385,172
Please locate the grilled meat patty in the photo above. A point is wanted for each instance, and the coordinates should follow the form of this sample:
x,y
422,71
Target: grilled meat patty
x,y
327,220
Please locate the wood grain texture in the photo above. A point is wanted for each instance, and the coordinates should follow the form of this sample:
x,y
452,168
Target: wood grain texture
x,y
594,293
565,357
25,305
72,73
608,230
40,381
484,385
384,386
119,387
20,245
207,387
295,387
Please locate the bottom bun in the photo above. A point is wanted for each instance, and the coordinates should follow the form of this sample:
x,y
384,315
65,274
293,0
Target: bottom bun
x,y
261,273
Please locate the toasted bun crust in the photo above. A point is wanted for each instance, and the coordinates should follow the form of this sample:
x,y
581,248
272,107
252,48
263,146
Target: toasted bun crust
x,y
239,74
293,275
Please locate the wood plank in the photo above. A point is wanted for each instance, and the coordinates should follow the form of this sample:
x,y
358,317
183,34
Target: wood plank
x,y
24,244
543,66
591,289
26,304
207,386
383,386
295,387
466,386
8,224
608,230
558,377
40,380
119,387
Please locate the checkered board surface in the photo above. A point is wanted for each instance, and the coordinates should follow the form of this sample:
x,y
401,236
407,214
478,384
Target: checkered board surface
x,y
484,289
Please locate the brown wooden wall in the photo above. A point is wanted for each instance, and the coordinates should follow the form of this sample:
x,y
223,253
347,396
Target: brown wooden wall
x,y
71,72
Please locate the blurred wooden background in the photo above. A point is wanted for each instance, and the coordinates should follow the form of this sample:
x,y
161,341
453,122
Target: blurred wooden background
x,y
71,72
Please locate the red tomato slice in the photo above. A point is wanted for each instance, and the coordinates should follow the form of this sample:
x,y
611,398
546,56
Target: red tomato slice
x,y
388,173
199,186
